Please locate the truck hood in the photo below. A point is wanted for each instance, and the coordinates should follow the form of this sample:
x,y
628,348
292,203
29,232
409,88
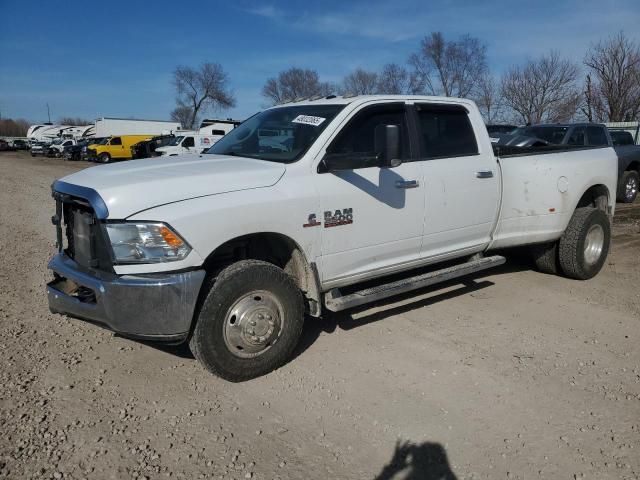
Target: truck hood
x,y
131,187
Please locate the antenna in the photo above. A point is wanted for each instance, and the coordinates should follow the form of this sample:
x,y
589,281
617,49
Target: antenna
x,y
48,113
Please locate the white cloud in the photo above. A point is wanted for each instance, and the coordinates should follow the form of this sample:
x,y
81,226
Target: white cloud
x,y
267,11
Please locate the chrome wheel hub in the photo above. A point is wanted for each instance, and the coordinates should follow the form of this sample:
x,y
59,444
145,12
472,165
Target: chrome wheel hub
x,y
631,188
593,244
253,324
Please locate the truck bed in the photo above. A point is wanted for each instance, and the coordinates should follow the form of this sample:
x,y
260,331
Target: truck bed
x,y
504,151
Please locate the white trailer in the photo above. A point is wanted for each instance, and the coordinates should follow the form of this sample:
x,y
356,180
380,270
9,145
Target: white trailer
x,y
106,127
48,133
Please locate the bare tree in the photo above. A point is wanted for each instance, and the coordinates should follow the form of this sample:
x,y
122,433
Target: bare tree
x,y
74,121
615,70
295,83
13,128
184,115
395,79
542,90
202,88
488,99
449,68
361,82
591,107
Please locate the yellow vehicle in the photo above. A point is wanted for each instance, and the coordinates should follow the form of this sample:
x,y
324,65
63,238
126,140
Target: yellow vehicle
x,y
117,147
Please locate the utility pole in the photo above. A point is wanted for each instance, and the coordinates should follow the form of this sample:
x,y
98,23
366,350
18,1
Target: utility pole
x,y
48,113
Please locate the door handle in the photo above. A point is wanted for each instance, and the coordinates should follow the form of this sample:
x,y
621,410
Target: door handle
x,y
407,184
484,174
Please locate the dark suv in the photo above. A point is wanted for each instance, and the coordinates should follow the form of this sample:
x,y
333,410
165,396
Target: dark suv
x,y
147,148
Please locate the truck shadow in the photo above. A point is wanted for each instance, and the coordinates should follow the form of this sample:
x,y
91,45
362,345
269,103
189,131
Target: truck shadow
x,y
410,461
385,191
357,317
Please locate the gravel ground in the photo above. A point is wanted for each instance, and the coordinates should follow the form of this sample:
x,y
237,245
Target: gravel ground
x,y
510,374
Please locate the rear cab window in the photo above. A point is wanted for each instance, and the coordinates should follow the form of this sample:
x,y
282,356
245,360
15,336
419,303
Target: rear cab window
x,y
445,131
597,136
577,136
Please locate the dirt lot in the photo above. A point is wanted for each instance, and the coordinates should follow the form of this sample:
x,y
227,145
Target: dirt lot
x,y
511,374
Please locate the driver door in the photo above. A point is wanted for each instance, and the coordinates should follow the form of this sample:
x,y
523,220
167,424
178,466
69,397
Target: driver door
x,y
372,217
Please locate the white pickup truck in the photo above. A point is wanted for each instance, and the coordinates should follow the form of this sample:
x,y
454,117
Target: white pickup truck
x,y
233,249
188,143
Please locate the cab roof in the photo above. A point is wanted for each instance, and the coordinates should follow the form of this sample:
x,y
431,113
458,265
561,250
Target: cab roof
x,y
348,99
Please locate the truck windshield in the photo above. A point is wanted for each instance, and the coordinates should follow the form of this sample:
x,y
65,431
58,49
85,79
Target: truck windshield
x,y
549,134
280,134
175,141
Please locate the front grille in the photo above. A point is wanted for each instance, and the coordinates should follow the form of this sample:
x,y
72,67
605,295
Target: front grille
x,y
84,240
79,222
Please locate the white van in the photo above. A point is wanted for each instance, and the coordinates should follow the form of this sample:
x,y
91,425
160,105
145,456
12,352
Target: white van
x,y
188,142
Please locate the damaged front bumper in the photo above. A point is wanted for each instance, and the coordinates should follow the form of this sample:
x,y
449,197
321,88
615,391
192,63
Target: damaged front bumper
x,y
156,307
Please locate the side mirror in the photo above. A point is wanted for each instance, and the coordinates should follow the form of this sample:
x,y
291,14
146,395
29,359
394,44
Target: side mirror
x,y
387,144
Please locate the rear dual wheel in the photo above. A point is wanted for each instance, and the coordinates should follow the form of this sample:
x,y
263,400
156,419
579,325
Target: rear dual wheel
x,y
583,248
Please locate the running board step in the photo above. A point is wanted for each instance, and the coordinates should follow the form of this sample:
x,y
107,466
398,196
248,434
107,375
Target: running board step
x,y
336,302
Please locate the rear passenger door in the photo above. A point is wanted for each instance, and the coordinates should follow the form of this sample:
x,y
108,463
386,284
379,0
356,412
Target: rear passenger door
x,y
462,181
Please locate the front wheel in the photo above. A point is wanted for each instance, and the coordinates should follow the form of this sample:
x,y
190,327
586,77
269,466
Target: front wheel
x,y
104,158
629,186
250,321
584,245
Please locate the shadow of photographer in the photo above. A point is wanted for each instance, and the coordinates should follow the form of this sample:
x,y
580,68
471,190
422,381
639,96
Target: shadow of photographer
x,y
411,461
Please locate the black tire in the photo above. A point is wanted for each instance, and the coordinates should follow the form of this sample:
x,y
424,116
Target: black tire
x,y
628,187
545,256
104,158
574,260
233,286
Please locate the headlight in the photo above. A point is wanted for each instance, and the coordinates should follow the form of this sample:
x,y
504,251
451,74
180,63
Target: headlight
x,y
146,243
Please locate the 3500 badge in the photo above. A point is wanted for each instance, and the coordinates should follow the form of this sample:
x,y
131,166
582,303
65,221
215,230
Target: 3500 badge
x,y
331,219
339,217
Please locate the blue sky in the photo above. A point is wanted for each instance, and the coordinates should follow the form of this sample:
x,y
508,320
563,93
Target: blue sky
x,y
116,58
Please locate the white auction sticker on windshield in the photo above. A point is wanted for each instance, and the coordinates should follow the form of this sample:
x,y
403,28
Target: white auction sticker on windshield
x,y
308,120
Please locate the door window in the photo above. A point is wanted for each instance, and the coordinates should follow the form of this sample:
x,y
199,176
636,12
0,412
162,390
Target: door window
x,y
358,137
188,142
445,131
116,141
577,137
597,137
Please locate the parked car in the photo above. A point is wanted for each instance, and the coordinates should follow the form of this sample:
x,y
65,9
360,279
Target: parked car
x,y
231,252
4,145
621,137
20,144
500,129
39,148
192,143
114,148
586,135
75,152
147,148
56,149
